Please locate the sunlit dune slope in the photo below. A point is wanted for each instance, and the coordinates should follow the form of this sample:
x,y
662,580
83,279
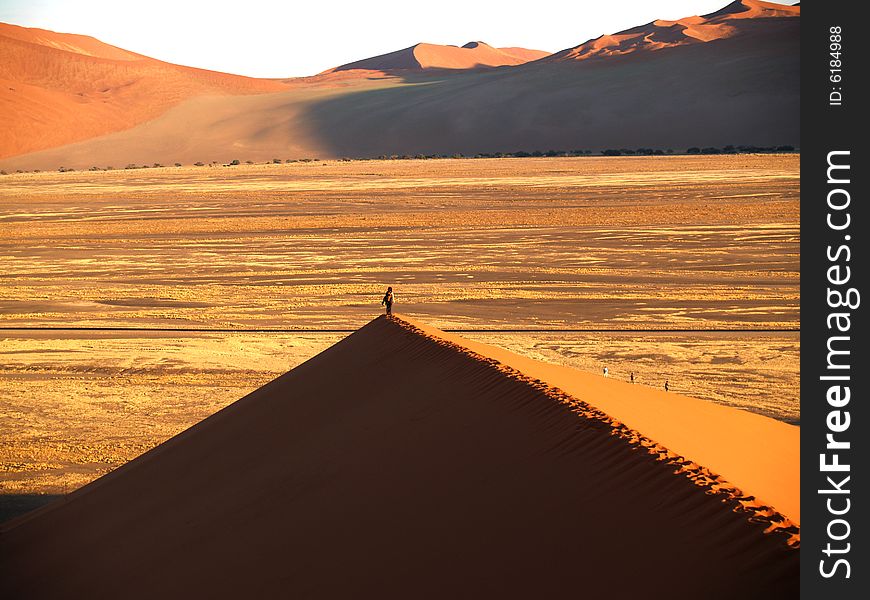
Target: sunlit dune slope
x,y
61,88
421,57
396,465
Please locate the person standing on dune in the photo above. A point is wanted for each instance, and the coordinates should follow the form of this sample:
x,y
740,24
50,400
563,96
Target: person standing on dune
x,y
388,301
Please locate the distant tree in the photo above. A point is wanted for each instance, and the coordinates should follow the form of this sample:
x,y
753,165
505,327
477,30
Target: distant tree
x,y
276,161
693,150
157,165
785,148
177,164
235,162
710,150
611,152
199,164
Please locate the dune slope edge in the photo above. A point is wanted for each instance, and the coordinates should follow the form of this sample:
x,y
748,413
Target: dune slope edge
x,y
395,464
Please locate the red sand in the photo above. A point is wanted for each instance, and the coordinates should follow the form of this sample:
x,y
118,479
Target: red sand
x,y
58,88
730,77
728,22
396,465
422,57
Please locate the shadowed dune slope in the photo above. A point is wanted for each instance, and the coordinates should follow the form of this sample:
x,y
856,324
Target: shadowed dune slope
x,y
393,465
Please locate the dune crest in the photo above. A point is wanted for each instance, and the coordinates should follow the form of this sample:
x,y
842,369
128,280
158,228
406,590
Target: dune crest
x,y
423,57
397,464
728,22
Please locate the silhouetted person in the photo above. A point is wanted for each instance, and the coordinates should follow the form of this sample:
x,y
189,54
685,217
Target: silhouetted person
x,y
388,301
632,376
605,371
666,385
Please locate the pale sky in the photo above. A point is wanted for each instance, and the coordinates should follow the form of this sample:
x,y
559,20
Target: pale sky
x,y
262,38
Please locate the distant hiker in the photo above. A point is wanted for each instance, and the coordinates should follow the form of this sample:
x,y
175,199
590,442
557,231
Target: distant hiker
x,y
632,376
605,371
666,385
388,301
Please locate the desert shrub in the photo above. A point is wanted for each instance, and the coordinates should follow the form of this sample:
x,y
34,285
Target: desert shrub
x,y
276,161
3,173
199,164
249,162
235,162
177,164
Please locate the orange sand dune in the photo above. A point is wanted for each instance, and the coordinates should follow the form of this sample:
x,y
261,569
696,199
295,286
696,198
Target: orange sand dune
x,y
737,18
421,57
61,88
70,42
398,465
759,455
728,78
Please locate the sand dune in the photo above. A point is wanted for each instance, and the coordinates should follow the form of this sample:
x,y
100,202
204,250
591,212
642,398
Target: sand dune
x,y
731,77
56,89
738,18
396,464
421,57
741,90
69,42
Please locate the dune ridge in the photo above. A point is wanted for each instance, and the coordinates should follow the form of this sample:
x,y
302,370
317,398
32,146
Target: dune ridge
x,y
395,464
424,57
730,21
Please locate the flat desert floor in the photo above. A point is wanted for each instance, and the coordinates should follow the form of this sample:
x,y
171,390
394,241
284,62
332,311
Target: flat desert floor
x,y
678,268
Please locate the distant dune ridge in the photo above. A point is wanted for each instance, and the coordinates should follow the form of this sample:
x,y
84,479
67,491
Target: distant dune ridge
x,y
400,463
434,56
739,17
730,77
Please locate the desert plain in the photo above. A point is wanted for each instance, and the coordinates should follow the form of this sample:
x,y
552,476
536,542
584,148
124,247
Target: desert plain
x,y
134,303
